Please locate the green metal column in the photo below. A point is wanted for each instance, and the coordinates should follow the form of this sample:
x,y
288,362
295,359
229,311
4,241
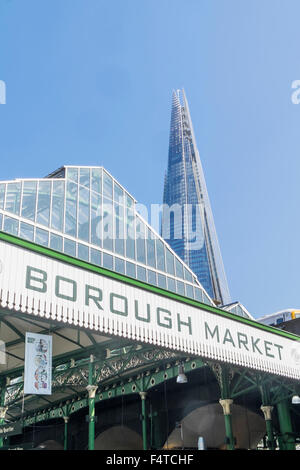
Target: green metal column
x,y
267,411
158,427
66,420
288,440
154,429
92,392
266,408
143,396
225,403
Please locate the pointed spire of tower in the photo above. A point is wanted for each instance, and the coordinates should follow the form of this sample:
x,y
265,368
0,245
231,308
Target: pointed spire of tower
x,y
194,236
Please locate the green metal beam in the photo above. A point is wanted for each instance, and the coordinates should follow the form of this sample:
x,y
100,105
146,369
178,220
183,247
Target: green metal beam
x,y
287,438
14,329
65,357
132,385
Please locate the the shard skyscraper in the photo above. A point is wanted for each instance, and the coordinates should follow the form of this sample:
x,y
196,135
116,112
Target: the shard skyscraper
x,y
187,220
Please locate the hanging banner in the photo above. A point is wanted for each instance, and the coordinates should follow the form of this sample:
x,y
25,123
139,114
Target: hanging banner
x,y
38,364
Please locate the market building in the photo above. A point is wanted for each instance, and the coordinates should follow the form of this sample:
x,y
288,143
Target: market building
x,y
133,352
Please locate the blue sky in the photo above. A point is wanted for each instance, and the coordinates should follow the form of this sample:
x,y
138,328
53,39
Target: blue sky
x,y
89,82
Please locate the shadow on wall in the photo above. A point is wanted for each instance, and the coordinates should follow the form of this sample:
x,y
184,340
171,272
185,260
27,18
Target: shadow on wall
x,y
208,422
119,438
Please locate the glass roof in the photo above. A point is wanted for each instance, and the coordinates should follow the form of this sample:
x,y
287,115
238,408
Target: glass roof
x,y
238,309
84,212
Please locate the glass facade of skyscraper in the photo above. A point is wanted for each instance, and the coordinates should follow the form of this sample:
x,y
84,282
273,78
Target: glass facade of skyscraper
x,y
187,220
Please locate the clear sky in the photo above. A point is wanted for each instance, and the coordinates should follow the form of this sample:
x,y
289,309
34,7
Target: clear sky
x,y
89,82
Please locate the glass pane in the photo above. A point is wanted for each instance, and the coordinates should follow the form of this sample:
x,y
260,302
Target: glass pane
x,y
120,265
72,174
130,233
2,195
71,209
119,247
83,252
119,229
129,201
162,281
179,268
118,194
130,269
180,287
152,277
84,214
84,178
140,241
56,242
11,225
97,180
141,274
96,257
150,244
130,249
108,225
58,198
26,231
13,196
187,275
198,294
107,261
189,291
29,200
130,224
160,255
69,247
141,251
206,299
43,205
1,220
240,311
170,262
41,236
171,285
96,224
107,186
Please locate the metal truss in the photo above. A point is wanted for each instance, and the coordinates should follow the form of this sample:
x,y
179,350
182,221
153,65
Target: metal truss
x,y
127,370
130,369
234,382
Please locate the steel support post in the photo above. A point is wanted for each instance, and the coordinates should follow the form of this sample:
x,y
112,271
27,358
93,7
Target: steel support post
x,y
66,420
91,388
157,427
286,429
226,403
267,411
143,396
266,408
